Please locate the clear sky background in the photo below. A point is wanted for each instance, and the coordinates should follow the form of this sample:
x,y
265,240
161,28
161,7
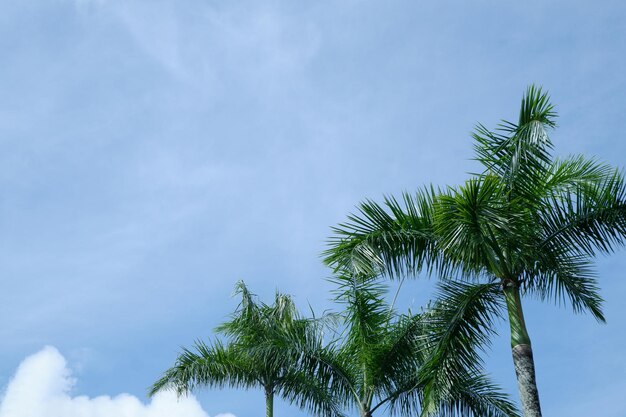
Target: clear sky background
x,y
152,153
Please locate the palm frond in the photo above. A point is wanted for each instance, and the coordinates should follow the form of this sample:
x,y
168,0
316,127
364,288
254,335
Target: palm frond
x,y
475,395
211,366
311,393
246,317
565,175
459,326
466,223
366,316
564,276
305,355
589,219
402,353
519,152
536,107
394,238
453,332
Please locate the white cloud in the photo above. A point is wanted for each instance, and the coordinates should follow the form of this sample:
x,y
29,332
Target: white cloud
x,y
42,384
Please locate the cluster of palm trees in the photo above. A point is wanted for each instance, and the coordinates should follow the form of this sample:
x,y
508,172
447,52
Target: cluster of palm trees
x,y
373,357
527,224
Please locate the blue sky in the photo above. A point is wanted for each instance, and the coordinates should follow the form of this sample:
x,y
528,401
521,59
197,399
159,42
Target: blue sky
x,y
155,152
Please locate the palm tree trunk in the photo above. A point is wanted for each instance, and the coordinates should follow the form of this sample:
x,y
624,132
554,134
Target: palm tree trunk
x,y
269,402
522,352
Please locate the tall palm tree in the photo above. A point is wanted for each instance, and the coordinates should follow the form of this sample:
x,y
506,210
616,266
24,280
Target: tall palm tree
x,y
231,364
528,222
426,364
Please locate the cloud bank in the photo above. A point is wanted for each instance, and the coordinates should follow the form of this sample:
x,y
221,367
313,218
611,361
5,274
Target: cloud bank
x,y
41,388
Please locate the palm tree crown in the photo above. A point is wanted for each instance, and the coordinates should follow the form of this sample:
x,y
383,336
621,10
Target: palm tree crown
x,y
425,363
238,364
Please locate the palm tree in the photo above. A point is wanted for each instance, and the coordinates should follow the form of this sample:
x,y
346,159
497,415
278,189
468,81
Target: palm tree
x,y
424,363
231,364
528,222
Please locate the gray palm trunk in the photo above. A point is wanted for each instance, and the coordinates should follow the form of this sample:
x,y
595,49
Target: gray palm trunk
x,y
522,351
269,401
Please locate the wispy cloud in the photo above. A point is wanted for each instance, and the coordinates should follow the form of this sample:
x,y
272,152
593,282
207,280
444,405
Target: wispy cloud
x,y
216,42
42,387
